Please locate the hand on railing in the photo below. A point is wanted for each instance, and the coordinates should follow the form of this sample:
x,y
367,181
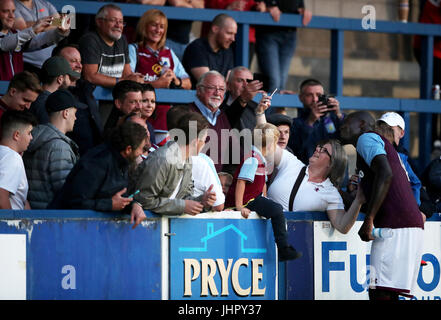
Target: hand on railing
x,y
275,13
307,16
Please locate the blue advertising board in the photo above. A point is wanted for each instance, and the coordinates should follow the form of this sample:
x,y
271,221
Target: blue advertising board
x,y
85,259
299,275
222,259
91,255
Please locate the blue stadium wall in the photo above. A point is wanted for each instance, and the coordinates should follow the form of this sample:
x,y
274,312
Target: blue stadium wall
x,y
66,255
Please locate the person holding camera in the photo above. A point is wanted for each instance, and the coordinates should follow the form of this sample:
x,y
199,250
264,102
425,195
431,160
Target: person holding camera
x,y
319,119
241,90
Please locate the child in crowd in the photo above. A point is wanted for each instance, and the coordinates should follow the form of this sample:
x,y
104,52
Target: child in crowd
x,y
226,180
248,190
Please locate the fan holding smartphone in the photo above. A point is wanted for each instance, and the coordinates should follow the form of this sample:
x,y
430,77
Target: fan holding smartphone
x,y
319,119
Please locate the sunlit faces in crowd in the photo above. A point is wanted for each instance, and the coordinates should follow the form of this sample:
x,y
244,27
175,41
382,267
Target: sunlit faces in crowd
x,y
21,100
23,137
322,155
225,34
132,102
238,81
212,90
284,135
111,25
7,14
155,31
310,94
73,56
148,104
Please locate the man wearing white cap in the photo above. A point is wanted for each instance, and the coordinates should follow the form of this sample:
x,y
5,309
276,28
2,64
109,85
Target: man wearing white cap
x,y
396,122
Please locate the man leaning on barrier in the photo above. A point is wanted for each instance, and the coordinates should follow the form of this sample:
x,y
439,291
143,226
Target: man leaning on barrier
x,y
390,204
164,179
99,180
105,53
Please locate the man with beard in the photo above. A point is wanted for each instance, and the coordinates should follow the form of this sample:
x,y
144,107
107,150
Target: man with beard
x,y
213,52
55,74
88,129
317,120
99,180
105,52
210,91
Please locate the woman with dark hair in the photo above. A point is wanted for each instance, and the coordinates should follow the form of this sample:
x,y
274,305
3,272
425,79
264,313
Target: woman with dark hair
x,y
150,57
318,188
148,110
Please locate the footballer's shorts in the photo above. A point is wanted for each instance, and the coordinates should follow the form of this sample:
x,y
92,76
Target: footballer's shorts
x,y
395,261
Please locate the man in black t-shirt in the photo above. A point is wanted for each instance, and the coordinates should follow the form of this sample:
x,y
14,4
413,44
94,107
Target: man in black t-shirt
x,y
213,52
105,53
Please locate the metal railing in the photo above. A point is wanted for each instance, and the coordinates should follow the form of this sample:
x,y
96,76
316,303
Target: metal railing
x,y
424,106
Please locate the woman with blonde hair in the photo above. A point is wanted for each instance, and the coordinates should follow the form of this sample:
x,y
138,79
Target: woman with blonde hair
x,y
150,57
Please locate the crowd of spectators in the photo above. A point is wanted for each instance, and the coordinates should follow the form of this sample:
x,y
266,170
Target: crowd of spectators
x,y
209,155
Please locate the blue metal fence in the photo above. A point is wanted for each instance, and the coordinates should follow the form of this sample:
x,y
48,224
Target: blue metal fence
x,y
424,106
83,254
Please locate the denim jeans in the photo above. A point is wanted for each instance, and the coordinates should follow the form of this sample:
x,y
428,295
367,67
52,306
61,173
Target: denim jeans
x,y
271,210
274,53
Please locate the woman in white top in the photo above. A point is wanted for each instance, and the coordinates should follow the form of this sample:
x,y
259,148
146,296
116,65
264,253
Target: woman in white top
x,y
318,190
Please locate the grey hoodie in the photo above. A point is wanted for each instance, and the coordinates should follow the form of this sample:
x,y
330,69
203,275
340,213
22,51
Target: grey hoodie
x,y
48,160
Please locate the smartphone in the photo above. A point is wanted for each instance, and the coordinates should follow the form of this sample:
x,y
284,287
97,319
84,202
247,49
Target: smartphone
x,y
61,21
133,194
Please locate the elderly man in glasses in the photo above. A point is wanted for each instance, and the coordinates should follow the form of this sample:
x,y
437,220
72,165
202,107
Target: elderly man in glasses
x,y
104,52
210,91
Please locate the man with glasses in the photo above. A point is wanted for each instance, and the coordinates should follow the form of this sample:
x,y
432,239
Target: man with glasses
x,y
105,52
210,91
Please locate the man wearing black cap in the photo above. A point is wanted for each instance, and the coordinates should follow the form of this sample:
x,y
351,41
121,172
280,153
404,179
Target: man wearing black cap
x,y
51,155
283,124
55,74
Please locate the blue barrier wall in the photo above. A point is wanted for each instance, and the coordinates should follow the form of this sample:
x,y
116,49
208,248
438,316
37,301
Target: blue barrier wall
x,y
425,106
87,255
93,255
